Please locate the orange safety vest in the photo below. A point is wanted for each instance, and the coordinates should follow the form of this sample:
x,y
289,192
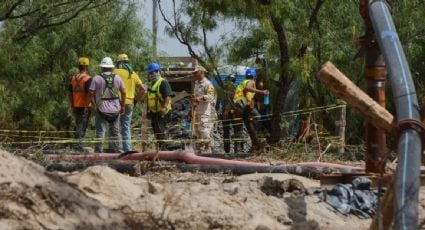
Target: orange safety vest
x,y
80,98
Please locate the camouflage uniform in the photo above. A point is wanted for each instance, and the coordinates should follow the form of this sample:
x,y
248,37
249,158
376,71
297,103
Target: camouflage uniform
x,y
205,114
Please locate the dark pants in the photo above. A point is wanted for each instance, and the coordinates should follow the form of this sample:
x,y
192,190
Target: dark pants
x,y
238,142
81,123
102,121
159,126
265,121
250,117
233,120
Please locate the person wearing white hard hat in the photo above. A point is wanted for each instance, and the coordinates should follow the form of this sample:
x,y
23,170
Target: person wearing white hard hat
x,y
109,93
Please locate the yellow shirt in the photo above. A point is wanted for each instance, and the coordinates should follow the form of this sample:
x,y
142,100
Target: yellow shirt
x,y
130,84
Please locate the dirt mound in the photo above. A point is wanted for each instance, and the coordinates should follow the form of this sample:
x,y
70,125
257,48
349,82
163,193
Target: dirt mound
x,y
101,198
33,199
200,201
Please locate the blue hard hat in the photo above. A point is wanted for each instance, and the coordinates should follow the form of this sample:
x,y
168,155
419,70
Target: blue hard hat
x,y
153,67
251,72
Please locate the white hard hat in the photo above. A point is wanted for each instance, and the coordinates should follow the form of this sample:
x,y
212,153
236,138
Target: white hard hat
x,y
107,63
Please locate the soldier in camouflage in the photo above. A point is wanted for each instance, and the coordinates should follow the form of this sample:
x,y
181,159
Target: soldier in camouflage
x,y
204,98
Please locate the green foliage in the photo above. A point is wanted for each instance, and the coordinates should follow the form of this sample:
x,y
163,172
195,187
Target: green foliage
x,y
35,73
330,38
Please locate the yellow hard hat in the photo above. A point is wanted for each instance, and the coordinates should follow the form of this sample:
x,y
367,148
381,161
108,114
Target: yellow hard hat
x,y
83,61
123,57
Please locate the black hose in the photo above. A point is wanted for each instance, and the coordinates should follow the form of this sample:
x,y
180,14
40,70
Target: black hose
x,y
409,143
307,171
120,166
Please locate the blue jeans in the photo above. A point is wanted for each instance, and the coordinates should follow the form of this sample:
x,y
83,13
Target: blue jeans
x,y
125,121
101,124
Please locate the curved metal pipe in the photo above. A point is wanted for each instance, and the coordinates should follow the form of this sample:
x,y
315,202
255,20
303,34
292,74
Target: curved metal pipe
x,y
409,143
187,157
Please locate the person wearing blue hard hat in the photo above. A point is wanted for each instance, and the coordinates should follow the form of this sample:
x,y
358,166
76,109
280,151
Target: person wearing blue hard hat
x,y
244,101
159,103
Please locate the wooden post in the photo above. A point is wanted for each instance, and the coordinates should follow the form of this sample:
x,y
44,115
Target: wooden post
x,y
145,125
385,214
340,124
355,97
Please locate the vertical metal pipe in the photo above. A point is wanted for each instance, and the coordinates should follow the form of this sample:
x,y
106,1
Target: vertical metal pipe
x,y
375,80
375,75
409,146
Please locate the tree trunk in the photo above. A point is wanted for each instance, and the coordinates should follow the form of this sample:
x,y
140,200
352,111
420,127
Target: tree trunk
x,y
284,81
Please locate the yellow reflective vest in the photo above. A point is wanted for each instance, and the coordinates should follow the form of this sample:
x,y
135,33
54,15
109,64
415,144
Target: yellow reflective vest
x,y
155,99
242,96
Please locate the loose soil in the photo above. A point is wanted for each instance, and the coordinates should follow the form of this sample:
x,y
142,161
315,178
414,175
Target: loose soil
x,y
101,198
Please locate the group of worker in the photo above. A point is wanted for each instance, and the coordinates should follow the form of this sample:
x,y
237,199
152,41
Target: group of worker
x,y
113,92
243,110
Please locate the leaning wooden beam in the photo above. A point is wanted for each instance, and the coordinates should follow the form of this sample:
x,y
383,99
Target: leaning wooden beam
x,y
179,96
338,83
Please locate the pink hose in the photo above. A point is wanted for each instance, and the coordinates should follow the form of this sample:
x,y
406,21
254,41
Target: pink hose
x,y
185,156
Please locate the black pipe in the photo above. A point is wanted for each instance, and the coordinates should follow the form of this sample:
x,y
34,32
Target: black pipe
x,y
307,171
409,144
120,166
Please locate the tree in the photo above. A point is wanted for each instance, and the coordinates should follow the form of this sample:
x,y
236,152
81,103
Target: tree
x,y
194,32
37,15
35,72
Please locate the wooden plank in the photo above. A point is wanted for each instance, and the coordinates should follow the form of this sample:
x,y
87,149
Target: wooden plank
x,y
189,69
178,72
338,83
179,96
179,79
176,59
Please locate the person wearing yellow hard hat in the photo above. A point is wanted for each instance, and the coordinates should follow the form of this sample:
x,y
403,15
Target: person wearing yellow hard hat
x,y
134,92
80,101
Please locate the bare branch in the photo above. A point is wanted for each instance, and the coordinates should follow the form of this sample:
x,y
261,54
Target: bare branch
x,y
44,20
311,23
177,31
208,50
